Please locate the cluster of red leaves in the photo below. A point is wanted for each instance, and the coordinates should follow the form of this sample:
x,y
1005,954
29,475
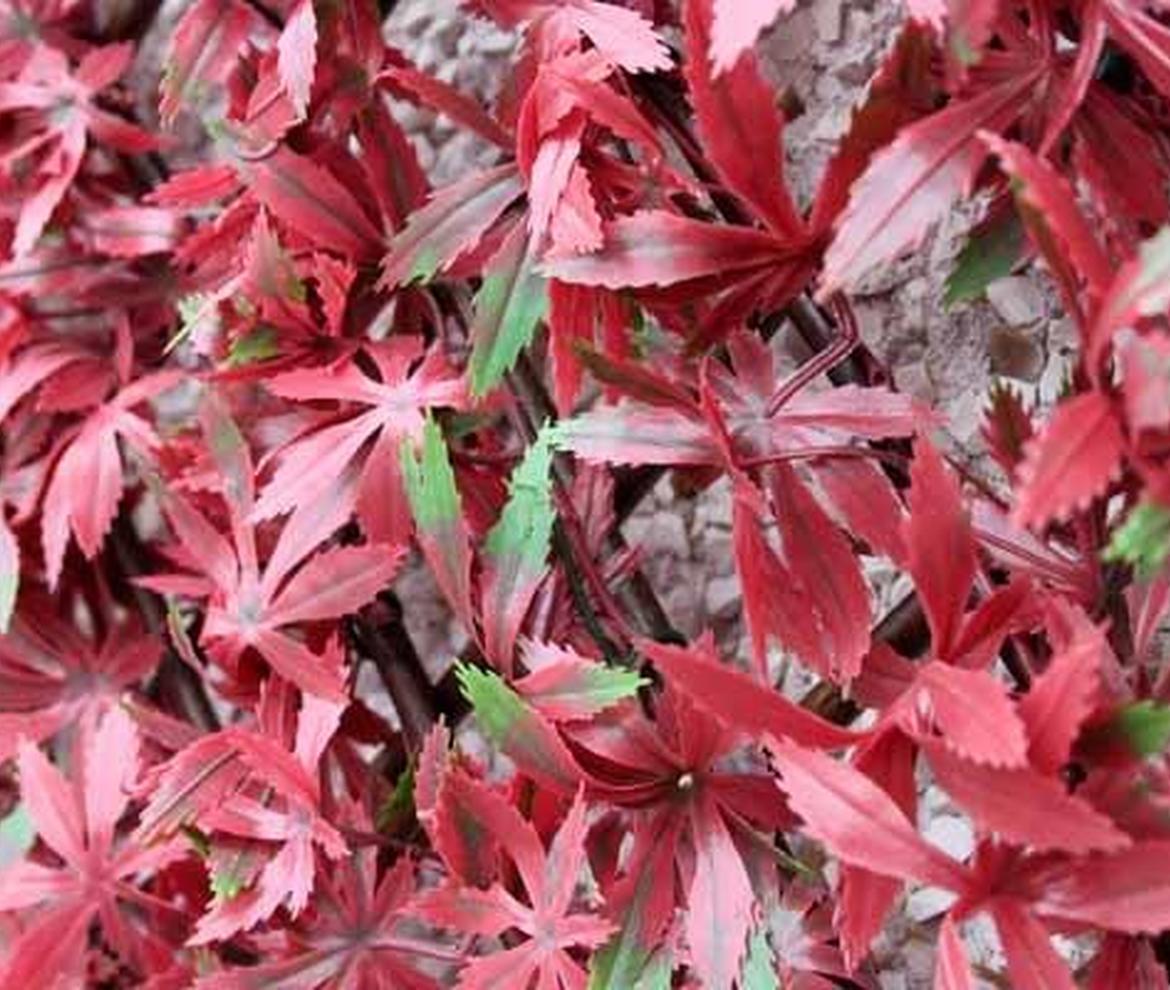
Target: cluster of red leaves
x,y
246,375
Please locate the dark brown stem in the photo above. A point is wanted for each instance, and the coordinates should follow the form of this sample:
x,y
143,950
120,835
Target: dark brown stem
x,y
379,634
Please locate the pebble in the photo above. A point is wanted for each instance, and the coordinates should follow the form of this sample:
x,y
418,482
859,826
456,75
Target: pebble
x,y
722,597
1017,300
1016,353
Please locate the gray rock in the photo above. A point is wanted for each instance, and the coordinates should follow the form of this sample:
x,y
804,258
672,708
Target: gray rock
x,y
722,597
1016,353
1017,299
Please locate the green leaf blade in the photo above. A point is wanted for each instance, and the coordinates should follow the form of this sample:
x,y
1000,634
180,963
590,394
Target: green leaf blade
x,y
509,306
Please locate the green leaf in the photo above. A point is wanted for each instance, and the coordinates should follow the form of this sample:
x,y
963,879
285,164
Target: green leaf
x,y
515,551
629,954
613,969
1143,540
17,835
261,344
598,686
520,537
434,502
509,305
759,969
1145,726
517,730
398,808
992,251
198,839
430,481
657,973
225,885
573,687
498,708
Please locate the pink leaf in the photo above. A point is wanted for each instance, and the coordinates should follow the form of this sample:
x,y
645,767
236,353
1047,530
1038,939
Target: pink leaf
x,y
1032,962
449,225
940,545
296,59
1060,699
775,603
445,99
204,46
1046,192
313,202
872,413
297,663
856,820
720,899
623,36
659,248
972,712
1126,891
1024,808
913,182
51,804
736,117
952,971
334,583
733,697
1072,461
865,501
736,27
632,433
817,551
864,898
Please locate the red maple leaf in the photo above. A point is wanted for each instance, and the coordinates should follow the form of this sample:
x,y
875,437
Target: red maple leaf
x,y
549,881
99,875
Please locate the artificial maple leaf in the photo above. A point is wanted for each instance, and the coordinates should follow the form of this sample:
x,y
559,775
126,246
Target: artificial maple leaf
x,y
62,103
549,881
739,426
350,937
1077,453
450,225
312,201
520,730
203,49
734,31
565,686
250,605
736,117
689,807
99,877
358,457
31,367
83,494
1056,224
555,168
514,550
260,787
623,36
657,248
440,528
909,184
940,541
51,676
752,270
